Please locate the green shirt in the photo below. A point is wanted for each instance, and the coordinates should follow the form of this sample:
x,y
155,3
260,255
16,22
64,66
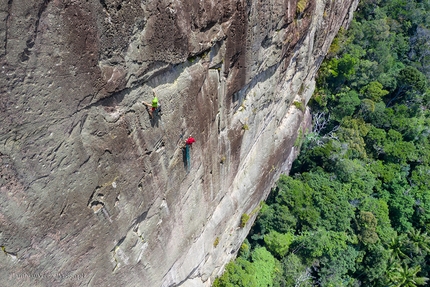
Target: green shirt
x,y
155,102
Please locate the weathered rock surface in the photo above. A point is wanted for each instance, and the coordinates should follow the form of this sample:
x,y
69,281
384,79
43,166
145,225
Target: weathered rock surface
x,y
93,192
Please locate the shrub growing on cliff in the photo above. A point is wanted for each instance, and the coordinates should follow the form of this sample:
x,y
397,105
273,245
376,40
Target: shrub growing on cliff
x,y
244,219
301,6
216,242
299,105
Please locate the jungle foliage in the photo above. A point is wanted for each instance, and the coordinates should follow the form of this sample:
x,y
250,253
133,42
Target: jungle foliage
x,y
356,209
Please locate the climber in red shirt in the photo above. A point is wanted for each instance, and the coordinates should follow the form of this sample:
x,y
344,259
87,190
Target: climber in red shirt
x,y
190,141
186,152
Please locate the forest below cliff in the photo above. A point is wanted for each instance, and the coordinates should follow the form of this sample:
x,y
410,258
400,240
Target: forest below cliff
x,y
355,209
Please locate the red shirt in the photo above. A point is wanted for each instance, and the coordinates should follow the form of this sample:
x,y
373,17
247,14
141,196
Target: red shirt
x,y
190,141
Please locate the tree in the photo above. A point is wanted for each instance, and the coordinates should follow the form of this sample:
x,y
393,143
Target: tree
x,y
418,241
410,80
397,150
295,272
273,217
374,264
278,243
375,141
336,270
266,267
297,195
374,91
366,225
346,106
379,208
239,273
352,132
418,249
330,199
262,271
319,243
397,246
340,70
403,276
357,175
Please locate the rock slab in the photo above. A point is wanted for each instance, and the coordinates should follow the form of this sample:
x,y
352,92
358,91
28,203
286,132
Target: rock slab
x,y
95,193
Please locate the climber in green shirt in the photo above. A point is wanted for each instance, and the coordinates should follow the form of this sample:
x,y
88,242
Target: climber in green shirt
x,y
154,106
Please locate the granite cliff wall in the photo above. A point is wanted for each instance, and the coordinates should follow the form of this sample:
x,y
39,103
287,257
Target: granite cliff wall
x,y
92,191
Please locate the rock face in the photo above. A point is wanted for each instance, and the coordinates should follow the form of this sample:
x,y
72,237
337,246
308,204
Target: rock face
x,y
92,191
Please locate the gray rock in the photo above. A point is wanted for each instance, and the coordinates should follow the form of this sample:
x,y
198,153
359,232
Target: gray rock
x,y
92,191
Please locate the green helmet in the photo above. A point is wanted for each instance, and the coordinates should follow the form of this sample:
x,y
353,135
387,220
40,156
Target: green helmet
x,y
155,102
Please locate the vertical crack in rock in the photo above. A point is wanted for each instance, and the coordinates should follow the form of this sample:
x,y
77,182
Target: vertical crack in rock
x,y
106,214
9,8
25,55
138,220
64,208
115,254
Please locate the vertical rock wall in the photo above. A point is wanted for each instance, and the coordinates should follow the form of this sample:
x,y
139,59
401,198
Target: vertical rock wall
x,y
92,191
